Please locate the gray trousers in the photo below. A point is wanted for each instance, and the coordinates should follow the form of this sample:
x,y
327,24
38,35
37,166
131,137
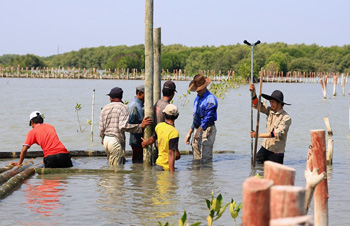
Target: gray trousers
x,y
203,147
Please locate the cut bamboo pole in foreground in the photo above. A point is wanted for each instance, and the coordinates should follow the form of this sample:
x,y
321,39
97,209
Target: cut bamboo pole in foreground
x,y
293,221
321,195
287,201
278,173
256,202
8,187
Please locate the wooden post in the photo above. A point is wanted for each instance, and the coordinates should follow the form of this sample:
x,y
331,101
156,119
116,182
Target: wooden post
x,y
287,201
256,202
258,118
321,195
323,85
157,64
293,221
278,173
328,126
330,151
148,75
92,115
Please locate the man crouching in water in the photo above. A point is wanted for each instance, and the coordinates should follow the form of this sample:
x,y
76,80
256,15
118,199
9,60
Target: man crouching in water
x,y
168,140
55,153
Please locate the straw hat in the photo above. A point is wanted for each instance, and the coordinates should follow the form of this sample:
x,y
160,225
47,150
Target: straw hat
x,y
199,82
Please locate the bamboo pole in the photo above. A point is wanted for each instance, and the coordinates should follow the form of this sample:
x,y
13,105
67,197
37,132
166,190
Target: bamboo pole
x,y
3,169
330,151
256,202
258,118
157,64
5,176
92,115
321,191
287,201
328,126
148,76
335,78
15,181
278,173
323,86
293,221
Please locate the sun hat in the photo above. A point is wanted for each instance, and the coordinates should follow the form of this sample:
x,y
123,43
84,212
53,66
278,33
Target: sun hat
x,y
199,82
171,109
116,92
33,115
276,95
141,88
169,85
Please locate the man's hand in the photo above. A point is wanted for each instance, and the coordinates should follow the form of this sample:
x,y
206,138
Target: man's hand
x,y
188,136
252,88
177,155
14,163
146,121
252,134
143,143
198,133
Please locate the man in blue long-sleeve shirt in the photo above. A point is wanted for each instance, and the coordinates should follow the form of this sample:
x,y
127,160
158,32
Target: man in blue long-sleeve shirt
x,y
204,117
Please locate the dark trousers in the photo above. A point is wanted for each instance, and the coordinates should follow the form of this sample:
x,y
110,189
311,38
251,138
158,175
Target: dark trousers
x,y
58,161
264,155
137,154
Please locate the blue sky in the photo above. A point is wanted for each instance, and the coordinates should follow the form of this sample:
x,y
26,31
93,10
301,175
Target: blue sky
x,y
40,26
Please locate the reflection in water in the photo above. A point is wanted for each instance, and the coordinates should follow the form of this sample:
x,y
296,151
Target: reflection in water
x,y
44,197
164,197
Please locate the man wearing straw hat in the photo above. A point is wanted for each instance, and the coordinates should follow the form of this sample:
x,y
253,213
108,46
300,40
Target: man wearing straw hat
x,y
277,126
204,117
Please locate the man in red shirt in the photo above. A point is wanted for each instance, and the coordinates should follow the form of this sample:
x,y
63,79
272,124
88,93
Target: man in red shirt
x,y
55,153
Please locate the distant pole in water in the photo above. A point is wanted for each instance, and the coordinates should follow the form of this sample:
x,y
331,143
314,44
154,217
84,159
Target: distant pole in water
x,y
328,126
252,81
92,115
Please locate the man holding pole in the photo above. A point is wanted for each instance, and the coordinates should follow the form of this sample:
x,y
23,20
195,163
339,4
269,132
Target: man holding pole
x,y
277,126
204,117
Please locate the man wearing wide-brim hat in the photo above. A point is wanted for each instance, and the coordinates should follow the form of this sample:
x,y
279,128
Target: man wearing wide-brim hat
x,y
204,117
277,126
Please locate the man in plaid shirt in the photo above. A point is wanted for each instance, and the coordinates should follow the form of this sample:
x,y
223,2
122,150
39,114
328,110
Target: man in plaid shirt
x,y
113,125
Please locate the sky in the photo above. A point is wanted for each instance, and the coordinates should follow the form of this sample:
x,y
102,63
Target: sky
x,y
48,27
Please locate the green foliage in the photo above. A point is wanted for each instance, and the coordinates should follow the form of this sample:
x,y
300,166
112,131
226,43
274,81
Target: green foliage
x,y
275,56
216,210
77,109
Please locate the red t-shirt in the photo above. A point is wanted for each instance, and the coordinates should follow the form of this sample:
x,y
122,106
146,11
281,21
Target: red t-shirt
x,y
45,135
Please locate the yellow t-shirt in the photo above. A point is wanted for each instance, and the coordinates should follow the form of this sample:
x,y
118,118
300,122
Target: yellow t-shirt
x,y
168,139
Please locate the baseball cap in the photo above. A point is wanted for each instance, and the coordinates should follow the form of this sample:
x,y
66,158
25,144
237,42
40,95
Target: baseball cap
x,y
141,88
169,85
116,92
171,109
33,115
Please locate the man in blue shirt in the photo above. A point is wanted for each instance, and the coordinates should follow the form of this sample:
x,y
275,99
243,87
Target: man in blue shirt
x,y
204,117
136,114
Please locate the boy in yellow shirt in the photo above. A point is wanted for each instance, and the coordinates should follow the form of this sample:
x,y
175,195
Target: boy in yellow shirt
x,y
168,140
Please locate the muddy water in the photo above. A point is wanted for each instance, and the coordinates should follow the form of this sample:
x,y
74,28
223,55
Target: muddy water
x,y
145,196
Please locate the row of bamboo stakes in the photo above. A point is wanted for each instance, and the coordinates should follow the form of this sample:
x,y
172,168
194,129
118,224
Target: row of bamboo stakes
x,y
275,201
94,73
180,75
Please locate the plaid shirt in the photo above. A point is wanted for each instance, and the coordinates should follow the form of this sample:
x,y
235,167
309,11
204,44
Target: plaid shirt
x,y
114,122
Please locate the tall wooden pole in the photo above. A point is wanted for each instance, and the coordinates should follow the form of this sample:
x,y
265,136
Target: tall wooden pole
x,y
258,118
157,64
318,142
148,75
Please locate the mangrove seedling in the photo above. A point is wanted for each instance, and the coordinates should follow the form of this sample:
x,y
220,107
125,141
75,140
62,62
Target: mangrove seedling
x,y
234,210
77,109
182,222
215,207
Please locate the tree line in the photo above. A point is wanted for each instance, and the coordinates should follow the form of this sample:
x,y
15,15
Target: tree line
x,y
273,57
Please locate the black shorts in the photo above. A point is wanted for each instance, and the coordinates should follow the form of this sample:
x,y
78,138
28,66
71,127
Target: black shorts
x,y
264,155
58,161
